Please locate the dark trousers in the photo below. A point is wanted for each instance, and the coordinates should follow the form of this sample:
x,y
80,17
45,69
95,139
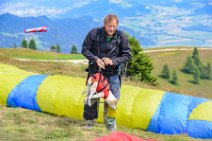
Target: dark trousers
x,y
91,112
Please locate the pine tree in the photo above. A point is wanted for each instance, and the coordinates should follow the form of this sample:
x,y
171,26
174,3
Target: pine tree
x,y
203,72
189,65
198,63
195,53
196,75
58,48
140,67
174,77
53,48
196,58
32,44
24,43
165,73
73,49
208,71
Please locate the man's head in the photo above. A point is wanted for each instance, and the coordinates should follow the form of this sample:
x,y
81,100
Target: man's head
x,y
110,24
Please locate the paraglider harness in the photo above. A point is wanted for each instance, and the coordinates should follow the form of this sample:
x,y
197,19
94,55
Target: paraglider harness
x,y
98,87
120,69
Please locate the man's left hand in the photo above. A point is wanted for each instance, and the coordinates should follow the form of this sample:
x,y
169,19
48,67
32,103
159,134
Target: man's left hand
x,y
107,61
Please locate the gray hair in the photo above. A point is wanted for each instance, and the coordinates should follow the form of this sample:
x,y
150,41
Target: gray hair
x,y
110,17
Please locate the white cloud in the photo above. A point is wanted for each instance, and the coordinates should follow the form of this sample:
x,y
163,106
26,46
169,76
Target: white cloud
x,y
147,7
24,9
80,4
197,5
115,1
121,3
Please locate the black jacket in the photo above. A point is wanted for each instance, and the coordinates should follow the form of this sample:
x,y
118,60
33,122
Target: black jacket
x,y
96,46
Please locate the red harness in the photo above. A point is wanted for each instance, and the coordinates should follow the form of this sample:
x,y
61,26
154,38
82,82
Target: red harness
x,y
103,84
98,87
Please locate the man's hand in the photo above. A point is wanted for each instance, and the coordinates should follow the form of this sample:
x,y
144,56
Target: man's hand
x,y
100,63
107,61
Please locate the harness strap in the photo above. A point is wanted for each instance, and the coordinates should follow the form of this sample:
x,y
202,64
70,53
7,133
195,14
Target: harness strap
x,y
105,86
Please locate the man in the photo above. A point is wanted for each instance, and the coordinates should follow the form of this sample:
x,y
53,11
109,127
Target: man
x,y
106,48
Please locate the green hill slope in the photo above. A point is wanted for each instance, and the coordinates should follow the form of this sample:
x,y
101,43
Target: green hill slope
x,y
21,124
38,55
175,59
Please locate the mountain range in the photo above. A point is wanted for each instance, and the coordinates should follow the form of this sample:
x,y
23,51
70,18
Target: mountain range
x,y
153,23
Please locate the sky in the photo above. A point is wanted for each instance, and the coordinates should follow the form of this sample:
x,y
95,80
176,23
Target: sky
x,y
39,7
55,7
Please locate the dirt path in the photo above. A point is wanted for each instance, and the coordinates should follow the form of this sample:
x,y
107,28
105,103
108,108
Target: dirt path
x,y
83,61
174,49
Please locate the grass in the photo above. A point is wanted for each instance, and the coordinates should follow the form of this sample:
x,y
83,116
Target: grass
x,y
44,67
175,60
38,55
17,124
21,124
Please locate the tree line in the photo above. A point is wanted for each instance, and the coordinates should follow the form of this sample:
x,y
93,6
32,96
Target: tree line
x,y
30,45
53,48
166,74
194,66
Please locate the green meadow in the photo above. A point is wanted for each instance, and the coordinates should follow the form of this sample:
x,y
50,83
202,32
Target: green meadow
x,y
17,124
38,55
175,60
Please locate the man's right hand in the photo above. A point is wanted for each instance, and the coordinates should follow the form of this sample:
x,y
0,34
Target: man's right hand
x,y
100,63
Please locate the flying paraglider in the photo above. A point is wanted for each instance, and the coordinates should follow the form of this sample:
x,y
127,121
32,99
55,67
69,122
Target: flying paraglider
x,y
36,29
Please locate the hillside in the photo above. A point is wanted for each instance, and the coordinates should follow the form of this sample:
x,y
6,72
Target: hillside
x,y
21,124
175,59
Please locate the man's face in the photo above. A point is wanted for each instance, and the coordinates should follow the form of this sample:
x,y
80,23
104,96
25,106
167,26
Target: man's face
x,y
110,27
